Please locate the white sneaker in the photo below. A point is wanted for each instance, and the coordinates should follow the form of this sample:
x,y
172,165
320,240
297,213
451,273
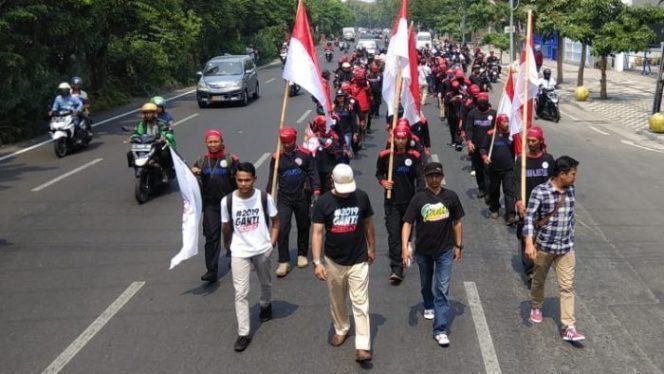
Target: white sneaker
x,y
429,314
302,262
282,269
472,173
442,340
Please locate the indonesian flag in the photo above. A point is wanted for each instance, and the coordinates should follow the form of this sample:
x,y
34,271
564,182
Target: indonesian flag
x,y
506,100
397,59
302,64
522,94
192,210
414,81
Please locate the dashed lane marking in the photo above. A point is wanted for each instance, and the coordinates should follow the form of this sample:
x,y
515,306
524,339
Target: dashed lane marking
x,y
629,142
270,80
65,175
491,364
186,119
261,160
89,333
303,116
598,130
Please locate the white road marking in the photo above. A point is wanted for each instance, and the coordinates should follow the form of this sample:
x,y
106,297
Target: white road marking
x,y
30,148
434,158
303,116
491,364
260,161
598,130
270,80
186,119
629,142
65,175
569,115
87,335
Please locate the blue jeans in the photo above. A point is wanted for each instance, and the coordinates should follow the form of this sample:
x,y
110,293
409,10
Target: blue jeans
x,y
436,298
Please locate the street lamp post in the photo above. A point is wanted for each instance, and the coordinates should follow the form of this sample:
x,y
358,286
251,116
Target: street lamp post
x,y
511,31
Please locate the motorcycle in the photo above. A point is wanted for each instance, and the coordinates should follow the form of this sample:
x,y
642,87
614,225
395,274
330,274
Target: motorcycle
x,y
149,173
343,45
282,55
547,107
293,89
66,135
328,55
493,72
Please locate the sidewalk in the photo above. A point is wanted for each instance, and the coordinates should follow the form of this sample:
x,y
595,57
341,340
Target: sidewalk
x,y
630,96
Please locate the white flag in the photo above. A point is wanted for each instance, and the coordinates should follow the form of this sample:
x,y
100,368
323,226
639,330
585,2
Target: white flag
x,y
192,210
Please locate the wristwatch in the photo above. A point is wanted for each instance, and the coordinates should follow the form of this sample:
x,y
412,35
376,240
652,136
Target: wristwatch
x,y
459,246
317,263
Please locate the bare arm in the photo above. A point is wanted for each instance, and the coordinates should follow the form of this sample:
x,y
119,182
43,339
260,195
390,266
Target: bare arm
x,y
228,234
405,237
458,239
274,231
370,232
316,250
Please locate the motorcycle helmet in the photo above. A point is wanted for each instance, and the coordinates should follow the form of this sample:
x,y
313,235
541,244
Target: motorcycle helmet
x,y
76,81
547,73
158,101
345,66
340,93
148,107
64,88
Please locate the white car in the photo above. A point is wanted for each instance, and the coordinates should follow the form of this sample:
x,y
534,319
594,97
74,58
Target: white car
x,y
369,45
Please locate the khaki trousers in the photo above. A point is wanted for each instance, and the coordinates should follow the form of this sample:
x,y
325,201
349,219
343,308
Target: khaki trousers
x,y
352,281
564,266
241,269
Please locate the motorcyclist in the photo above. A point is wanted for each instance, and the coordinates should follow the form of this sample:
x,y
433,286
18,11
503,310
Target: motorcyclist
x,y
76,90
346,121
493,59
66,101
546,83
151,125
343,74
162,113
480,79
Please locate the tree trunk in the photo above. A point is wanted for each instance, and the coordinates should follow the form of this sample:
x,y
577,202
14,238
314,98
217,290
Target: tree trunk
x,y
560,58
582,65
602,81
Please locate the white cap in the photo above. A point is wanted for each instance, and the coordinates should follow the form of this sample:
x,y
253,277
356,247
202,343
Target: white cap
x,y
64,86
344,182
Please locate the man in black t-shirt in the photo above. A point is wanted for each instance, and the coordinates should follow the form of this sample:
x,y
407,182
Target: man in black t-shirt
x,y
539,169
436,214
344,215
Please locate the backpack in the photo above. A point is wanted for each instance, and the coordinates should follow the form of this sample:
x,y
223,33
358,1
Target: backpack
x,y
229,208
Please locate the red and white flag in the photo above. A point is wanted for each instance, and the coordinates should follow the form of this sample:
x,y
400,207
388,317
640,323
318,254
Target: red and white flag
x,y
414,110
397,59
506,101
302,64
192,210
522,94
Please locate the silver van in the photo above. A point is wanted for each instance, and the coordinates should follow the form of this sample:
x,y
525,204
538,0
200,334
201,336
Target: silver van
x,y
226,79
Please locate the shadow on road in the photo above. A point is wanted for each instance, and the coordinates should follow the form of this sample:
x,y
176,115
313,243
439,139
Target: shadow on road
x,y
205,289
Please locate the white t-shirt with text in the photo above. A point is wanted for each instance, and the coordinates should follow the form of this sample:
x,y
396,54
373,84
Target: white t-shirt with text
x,y
251,236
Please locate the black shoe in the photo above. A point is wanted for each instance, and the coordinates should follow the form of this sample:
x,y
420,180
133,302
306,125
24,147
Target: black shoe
x,y
210,276
458,147
396,277
242,343
487,199
481,194
266,313
511,220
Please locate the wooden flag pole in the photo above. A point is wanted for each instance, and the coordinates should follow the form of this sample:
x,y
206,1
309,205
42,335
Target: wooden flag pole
x,y
524,121
276,158
395,115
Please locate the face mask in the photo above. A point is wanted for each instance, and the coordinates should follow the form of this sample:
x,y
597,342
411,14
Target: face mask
x,y
483,105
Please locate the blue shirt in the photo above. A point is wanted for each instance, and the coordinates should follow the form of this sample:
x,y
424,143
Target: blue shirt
x,y
165,116
68,102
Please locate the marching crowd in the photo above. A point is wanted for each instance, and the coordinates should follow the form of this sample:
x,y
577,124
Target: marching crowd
x,y
423,219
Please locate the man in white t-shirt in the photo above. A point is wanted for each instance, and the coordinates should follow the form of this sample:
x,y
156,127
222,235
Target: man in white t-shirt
x,y
250,238
423,73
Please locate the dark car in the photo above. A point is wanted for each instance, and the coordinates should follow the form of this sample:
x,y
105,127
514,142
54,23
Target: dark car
x,y
227,79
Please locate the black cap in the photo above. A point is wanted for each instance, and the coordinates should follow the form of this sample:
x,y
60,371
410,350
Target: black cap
x,y
433,168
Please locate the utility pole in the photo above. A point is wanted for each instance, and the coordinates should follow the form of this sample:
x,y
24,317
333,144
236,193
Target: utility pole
x,y
657,103
511,31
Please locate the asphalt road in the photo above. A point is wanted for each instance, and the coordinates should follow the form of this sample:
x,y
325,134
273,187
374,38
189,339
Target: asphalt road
x,y
70,249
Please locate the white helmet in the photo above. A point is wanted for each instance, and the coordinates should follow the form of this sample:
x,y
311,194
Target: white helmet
x,y
345,65
64,86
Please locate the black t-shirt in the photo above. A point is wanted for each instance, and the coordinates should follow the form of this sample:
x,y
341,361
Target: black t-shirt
x,y
345,239
433,217
538,170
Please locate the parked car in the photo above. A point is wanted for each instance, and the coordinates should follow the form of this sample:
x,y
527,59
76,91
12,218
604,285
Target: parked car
x,y
227,79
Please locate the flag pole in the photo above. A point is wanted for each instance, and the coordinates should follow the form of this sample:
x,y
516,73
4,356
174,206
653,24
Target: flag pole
x,y
276,158
395,115
524,121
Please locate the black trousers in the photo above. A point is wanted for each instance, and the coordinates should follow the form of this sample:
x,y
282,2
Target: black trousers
x,y
453,124
528,266
375,104
507,179
394,222
212,233
303,221
481,174
325,182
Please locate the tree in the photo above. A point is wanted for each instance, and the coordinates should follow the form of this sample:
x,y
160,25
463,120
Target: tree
x,y
552,17
629,31
586,19
500,41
